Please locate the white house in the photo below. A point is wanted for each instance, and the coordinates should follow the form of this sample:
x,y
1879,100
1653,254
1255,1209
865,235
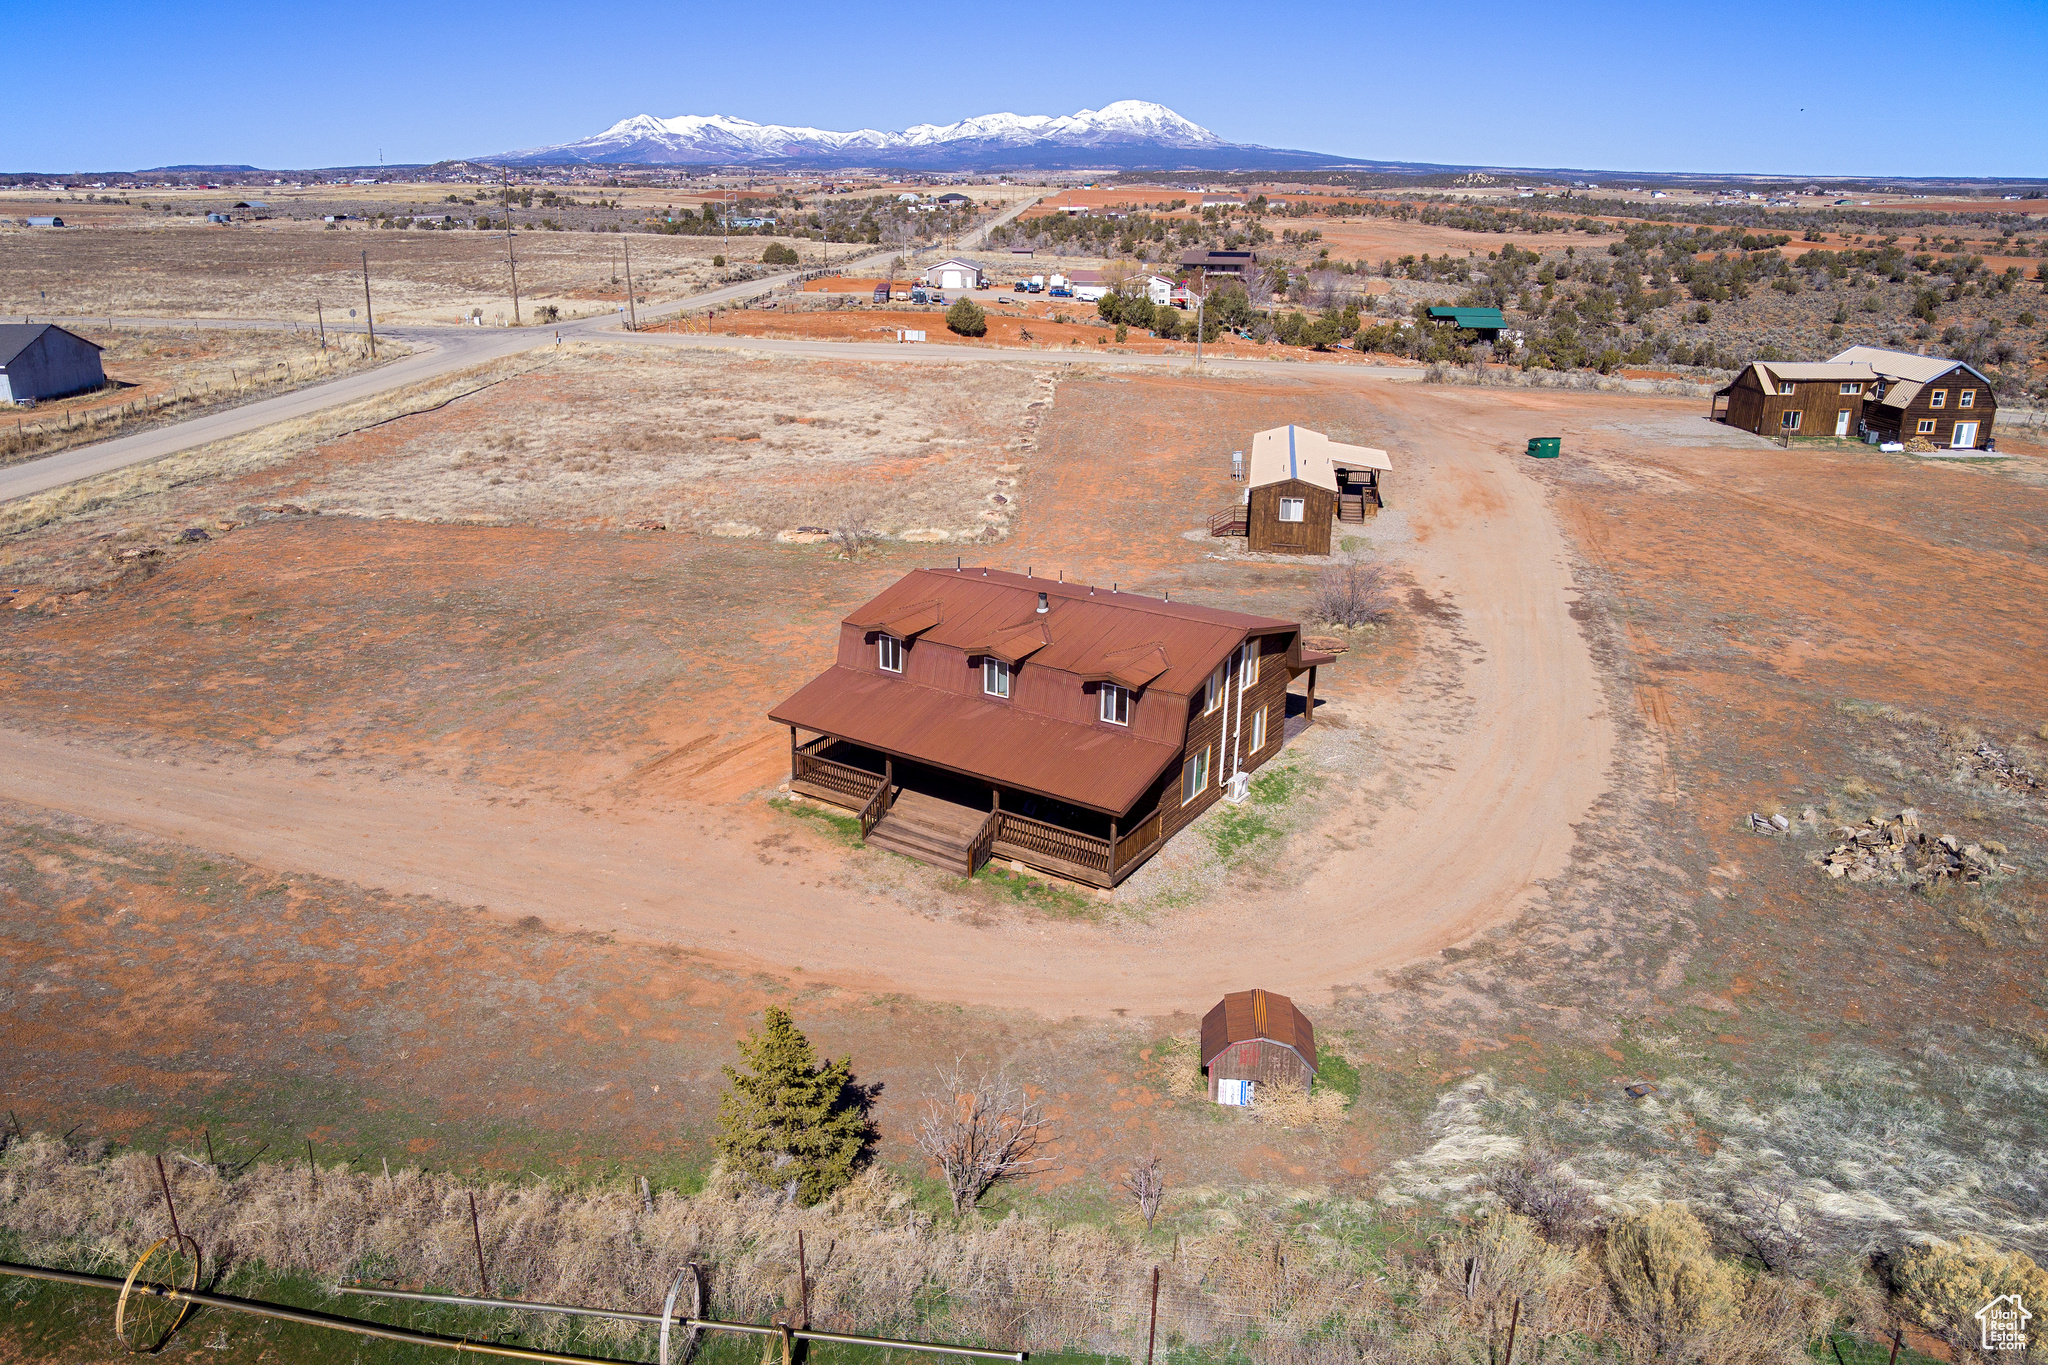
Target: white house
x,y
1159,289
955,273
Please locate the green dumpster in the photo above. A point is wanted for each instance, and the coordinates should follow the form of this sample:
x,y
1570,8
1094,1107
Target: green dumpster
x,y
1545,447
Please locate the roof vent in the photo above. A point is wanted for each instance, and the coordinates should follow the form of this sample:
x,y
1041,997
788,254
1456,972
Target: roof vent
x,y
1042,608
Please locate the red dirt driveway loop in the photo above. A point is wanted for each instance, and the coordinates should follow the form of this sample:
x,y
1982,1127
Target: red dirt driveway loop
x,y
1487,818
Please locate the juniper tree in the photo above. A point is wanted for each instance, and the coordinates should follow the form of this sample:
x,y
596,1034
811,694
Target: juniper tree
x,y
790,1121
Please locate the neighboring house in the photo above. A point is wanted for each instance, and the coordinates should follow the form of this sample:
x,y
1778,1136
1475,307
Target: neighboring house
x,y
1088,286
1928,398
1488,322
1161,290
975,714
954,199
1776,398
955,273
1239,263
1256,1038
41,360
1300,482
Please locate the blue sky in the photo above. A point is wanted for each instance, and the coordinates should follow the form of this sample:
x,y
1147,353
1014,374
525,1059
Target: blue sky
x,y
1877,88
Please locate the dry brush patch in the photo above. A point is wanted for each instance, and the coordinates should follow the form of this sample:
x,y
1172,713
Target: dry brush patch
x,y
724,444
1253,1280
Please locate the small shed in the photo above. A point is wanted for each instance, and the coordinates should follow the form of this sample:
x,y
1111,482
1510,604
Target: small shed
x,y
41,360
43,222
1301,482
1254,1038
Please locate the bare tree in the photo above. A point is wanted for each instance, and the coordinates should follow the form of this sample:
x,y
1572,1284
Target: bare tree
x,y
855,531
1562,1209
1147,1185
1352,593
980,1131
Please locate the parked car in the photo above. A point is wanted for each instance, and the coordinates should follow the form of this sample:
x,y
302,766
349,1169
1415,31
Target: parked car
x,y
1020,287
918,295
938,298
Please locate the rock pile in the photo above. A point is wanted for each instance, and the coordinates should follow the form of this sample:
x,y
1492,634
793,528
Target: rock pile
x,y
1897,850
1997,766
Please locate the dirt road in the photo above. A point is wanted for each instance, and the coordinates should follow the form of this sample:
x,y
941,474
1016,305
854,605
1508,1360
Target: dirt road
x,y
1504,749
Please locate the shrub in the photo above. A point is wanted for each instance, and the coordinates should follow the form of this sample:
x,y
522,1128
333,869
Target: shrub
x,y
791,1122
547,312
718,262
1942,1286
778,254
1354,593
1661,1269
967,318
1540,1190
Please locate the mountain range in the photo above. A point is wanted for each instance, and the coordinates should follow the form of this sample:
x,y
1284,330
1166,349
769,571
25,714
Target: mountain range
x,y
1126,135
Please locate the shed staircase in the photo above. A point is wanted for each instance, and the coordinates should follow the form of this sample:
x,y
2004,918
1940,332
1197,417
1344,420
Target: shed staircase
x,y
930,830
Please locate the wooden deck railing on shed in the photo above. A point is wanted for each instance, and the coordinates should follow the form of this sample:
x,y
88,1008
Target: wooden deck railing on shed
x,y
1231,521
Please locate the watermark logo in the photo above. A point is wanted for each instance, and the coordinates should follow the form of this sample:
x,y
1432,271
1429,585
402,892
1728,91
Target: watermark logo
x,y
2004,1323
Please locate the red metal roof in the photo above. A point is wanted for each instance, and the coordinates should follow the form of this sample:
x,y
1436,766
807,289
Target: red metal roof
x,y
1092,632
1243,1016
1090,766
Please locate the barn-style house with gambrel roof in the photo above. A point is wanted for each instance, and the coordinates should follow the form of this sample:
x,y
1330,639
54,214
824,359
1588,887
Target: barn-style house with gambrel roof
x,y
976,713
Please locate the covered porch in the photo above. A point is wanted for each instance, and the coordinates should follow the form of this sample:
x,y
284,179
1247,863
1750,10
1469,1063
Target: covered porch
x,y
960,822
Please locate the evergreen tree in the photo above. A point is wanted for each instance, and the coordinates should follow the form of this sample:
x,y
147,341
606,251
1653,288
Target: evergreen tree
x,y
967,318
790,1121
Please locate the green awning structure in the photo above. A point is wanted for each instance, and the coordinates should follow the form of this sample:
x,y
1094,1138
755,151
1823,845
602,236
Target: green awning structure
x,y
1470,319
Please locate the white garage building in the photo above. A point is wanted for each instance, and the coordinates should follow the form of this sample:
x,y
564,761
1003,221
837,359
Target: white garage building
x,y
955,273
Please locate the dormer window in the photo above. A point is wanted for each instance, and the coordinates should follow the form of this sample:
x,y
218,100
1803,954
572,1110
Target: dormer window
x,y
1787,386
1116,704
889,651
995,678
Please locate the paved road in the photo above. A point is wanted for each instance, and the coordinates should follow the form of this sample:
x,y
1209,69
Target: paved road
x,y
436,351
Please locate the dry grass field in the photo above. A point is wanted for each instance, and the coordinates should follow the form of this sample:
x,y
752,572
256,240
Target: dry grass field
x,y
182,268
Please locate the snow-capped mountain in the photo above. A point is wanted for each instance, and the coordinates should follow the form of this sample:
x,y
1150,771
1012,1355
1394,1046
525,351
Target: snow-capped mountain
x,y
1128,132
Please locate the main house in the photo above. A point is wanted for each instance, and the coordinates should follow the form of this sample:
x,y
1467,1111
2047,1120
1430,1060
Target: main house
x,y
976,713
1774,398
1299,484
1925,398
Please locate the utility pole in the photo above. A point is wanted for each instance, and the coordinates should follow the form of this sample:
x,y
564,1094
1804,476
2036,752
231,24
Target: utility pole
x,y
511,259
369,318
320,315
632,313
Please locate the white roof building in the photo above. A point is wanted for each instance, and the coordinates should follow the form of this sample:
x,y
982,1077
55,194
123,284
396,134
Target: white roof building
x,y
1292,452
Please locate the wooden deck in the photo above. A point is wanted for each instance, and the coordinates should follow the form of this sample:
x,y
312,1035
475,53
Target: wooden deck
x,y
940,833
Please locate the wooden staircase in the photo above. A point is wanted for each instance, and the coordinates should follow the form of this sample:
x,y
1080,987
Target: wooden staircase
x,y
930,830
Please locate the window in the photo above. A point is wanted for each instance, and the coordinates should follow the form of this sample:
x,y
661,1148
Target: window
x,y
1212,692
1787,386
1790,421
1938,398
1116,704
995,677
891,650
1852,388
1258,738
1290,509
1251,664
1926,426
1194,777
1967,398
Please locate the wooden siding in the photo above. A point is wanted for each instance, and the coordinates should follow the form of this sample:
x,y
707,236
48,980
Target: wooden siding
x,y
1265,533
1904,425
1268,694
1818,401
1261,1061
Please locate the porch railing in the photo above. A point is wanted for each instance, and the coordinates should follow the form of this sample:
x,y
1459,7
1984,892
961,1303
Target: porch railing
x,y
984,842
1036,836
1129,846
1231,521
857,784
878,806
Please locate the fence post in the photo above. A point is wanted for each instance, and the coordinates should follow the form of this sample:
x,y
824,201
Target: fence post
x,y
1152,1331
482,1280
